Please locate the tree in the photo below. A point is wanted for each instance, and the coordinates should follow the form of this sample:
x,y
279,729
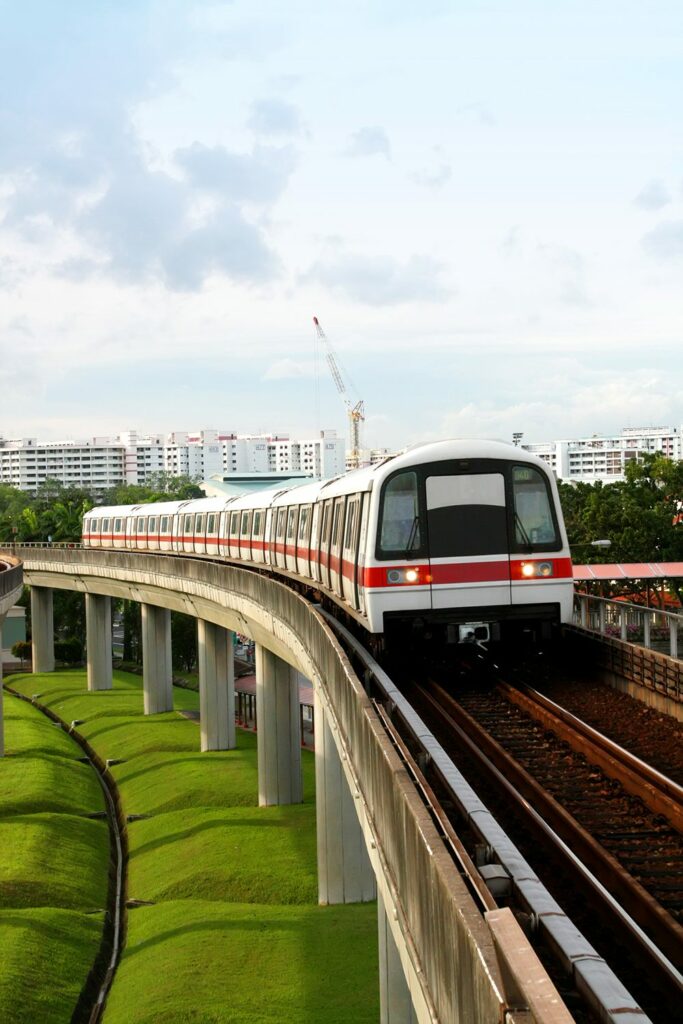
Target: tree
x,y
184,640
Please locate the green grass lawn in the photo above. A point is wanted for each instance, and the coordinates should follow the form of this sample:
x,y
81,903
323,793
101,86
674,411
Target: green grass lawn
x,y
234,932
53,869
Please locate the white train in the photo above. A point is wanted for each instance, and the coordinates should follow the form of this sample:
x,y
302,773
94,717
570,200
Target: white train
x,y
462,539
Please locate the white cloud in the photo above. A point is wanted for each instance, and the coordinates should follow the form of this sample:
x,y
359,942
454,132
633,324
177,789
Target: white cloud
x,y
288,369
382,280
665,242
653,196
369,141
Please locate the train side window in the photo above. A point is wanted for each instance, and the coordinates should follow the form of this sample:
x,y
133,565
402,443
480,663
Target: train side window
x,y
151,524
105,525
535,524
188,524
91,525
117,525
282,514
336,524
257,523
303,523
198,523
234,523
323,527
141,524
400,529
244,530
211,523
290,523
164,524
350,524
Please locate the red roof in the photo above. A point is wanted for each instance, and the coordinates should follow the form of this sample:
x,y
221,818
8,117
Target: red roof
x,y
629,571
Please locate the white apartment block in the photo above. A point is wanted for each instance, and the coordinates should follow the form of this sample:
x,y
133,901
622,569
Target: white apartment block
x,y
101,463
590,459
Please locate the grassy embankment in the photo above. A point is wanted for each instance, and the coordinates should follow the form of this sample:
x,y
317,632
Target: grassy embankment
x,y
233,931
50,914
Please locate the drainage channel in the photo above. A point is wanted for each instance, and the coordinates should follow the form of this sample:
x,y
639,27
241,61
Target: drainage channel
x,y
94,993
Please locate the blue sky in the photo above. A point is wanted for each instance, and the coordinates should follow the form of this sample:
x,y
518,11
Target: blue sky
x,y
481,201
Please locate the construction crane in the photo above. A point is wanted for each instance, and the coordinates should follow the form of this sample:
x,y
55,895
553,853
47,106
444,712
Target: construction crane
x,y
355,413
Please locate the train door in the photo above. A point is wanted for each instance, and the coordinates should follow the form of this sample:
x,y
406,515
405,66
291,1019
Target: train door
x,y
290,539
362,548
349,553
257,554
315,541
303,547
233,534
468,542
336,546
325,532
269,536
130,531
245,536
280,530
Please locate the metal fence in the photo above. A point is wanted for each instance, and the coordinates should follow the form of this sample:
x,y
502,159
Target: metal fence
x,y
652,628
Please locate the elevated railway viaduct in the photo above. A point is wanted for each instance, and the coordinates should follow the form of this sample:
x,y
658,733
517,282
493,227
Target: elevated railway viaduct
x,y
441,959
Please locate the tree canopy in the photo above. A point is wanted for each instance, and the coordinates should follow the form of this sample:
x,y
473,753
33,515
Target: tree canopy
x,y
55,511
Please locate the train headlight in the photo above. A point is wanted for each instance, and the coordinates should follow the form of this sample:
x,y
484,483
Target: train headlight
x,y
398,576
530,570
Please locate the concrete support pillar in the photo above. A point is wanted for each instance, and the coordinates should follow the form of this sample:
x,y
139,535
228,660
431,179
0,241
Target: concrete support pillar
x,y
216,663
277,719
157,667
98,641
42,630
345,873
395,1004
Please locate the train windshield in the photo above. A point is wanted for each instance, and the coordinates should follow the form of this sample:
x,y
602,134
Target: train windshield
x,y
399,534
534,521
466,515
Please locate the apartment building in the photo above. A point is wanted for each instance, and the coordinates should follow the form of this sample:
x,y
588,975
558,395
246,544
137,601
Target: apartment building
x,y
101,463
605,457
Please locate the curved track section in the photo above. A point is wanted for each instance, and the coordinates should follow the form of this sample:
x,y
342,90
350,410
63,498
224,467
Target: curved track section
x,y
498,865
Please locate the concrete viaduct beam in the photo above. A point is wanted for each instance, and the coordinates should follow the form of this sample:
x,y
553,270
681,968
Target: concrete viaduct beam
x,y
279,737
42,630
216,664
444,945
157,667
98,641
345,873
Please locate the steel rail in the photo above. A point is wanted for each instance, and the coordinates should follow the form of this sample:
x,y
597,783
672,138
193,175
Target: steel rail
x,y
661,794
631,909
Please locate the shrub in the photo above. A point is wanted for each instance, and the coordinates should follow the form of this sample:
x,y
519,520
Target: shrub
x,y
69,651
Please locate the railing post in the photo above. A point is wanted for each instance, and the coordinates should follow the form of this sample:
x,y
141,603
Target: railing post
x,y
583,610
601,617
623,620
673,636
647,624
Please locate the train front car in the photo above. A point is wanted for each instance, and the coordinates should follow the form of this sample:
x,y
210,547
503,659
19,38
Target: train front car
x,y
469,545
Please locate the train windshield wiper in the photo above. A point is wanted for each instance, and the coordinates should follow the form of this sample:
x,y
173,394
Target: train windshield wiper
x,y
413,534
521,530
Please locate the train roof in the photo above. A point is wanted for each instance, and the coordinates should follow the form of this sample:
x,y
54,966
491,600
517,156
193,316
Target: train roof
x,y
350,483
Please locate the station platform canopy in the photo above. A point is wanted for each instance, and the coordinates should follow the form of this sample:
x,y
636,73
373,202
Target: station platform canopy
x,y
629,571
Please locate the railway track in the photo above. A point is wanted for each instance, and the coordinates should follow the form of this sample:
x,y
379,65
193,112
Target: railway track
x,y
618,864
